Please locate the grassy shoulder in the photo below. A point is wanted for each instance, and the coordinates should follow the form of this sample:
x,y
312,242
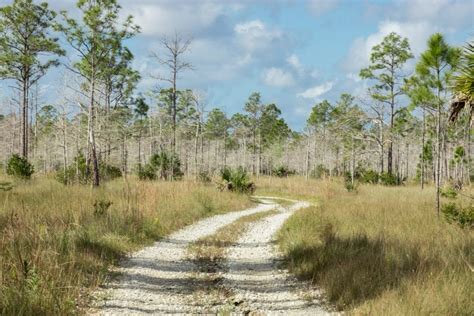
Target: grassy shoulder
x,y
57,241
381,251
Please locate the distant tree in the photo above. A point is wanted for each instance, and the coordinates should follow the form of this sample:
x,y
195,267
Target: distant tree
x,y
27,50
387,61
175,47
318,122
253,107
217,127
421,96
141,112
436,65
96,39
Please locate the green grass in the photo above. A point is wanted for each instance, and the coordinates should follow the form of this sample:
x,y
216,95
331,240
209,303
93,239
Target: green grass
x,y
58,242
381,251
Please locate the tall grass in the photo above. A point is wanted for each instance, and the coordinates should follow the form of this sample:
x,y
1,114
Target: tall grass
x,y
57,242
381,251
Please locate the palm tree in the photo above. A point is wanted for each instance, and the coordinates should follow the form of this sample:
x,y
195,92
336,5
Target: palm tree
x,y
463,84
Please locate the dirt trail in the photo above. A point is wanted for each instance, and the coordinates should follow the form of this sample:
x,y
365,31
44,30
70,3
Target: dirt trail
x,y
161,280
254,275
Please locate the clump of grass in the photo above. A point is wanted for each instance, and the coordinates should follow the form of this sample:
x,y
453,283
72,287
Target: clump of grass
x,y
380,252
57,242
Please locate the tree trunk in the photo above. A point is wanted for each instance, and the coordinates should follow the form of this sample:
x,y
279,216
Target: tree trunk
x,y
91,135
24,118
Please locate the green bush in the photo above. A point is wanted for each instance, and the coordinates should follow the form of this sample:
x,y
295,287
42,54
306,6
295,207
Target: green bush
x,y
165,165
319,172
369,176
389,179
146,172
109,172
448,192
282,172
75,173
348,184
464,217
19,167
236,180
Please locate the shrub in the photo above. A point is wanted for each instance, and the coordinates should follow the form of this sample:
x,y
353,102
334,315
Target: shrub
x,y
282,172
389,179
369,176
319,172
348,184
167,165
19,167
464,217
75,173
109,172
236,180
448,192
147,172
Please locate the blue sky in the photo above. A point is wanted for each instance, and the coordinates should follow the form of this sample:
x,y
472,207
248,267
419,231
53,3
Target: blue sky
x,y
296,53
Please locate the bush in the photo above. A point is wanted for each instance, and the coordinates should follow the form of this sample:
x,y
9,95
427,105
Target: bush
x,y
166,165
389,179
369,176
109,172
464,217
236,180
77,172
319,172
348,184
147,172
19,167
282,172
448,192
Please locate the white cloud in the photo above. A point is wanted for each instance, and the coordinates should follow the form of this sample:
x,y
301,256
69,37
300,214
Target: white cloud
x,y
294,61
255,35
319,7
277,77
416,32
449,13
316,91
162,18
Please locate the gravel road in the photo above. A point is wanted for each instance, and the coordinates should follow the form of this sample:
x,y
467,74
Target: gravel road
x,y
161,280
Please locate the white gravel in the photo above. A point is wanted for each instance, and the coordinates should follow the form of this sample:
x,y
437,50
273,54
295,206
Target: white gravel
x,y
158,279
254,275
161,280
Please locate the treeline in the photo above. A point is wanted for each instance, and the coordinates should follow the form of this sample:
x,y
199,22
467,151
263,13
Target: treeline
x,y
100,127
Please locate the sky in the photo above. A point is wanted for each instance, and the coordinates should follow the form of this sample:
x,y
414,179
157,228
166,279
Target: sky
x,y
294,52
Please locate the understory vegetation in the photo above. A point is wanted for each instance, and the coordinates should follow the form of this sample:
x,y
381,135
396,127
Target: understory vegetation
x,y
380,251
58,241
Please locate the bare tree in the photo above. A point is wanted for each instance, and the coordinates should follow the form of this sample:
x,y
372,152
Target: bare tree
x,y
175,47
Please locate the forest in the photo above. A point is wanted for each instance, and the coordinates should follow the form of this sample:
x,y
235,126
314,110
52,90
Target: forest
x,y
104,169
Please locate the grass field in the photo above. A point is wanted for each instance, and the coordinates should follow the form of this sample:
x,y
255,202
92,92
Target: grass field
x,y
56,242
381,251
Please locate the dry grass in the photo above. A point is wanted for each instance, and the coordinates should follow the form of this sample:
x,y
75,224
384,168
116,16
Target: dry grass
x,y
57,242
381,251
